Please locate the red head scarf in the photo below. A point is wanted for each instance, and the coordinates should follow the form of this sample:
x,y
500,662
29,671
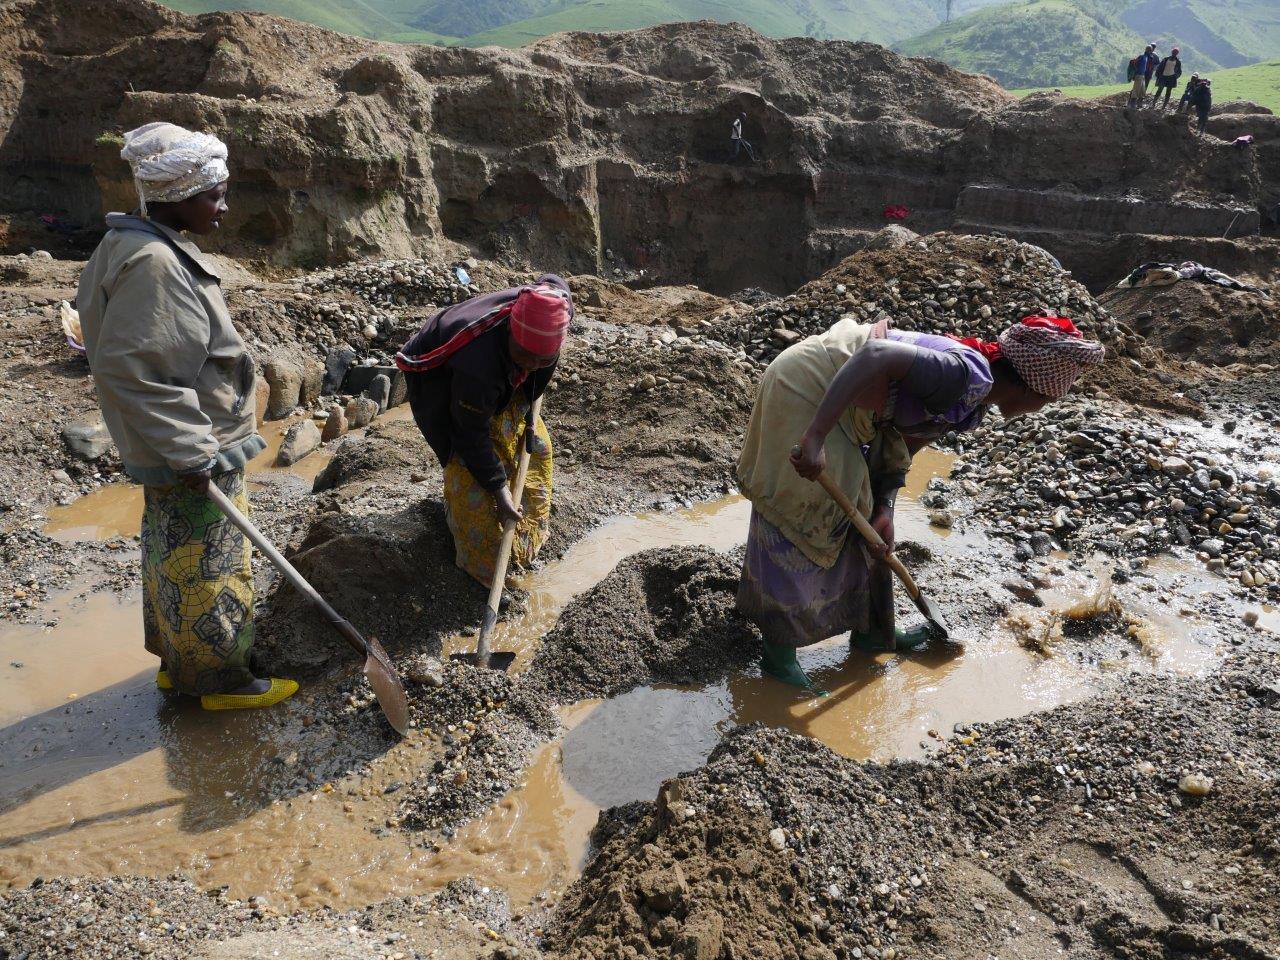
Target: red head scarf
x,y
540,320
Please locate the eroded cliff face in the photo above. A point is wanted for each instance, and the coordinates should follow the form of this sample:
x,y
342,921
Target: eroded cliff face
x,y
585,146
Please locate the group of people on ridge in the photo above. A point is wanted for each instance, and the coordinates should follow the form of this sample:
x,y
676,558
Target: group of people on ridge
x,y
177,385
1167,74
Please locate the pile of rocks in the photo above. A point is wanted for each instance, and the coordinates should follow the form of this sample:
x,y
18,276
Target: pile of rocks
x,y
1132,487
943,283
396,282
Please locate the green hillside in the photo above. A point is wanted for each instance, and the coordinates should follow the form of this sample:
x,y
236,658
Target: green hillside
x,y
517,22
1032,43
1259,82
360,18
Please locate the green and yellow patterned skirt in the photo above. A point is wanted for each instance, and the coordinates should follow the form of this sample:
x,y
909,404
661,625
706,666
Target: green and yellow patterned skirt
x,y
470,510
197,587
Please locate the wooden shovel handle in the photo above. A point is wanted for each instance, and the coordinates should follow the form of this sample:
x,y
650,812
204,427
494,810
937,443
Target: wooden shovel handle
x,y
868,532
509,528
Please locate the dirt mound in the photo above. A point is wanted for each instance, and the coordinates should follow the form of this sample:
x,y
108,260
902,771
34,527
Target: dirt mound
x,y
649,413
1201,321
1017,837
663,616
943,283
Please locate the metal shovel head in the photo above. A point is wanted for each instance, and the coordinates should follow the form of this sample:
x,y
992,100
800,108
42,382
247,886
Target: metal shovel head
x,y
934,616
499,660
386,686
483,656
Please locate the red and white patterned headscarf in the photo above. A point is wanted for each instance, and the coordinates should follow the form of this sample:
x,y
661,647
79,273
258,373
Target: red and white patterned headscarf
x,y
1049,353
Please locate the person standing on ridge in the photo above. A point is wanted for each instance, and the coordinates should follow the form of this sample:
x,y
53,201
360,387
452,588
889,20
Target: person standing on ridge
x,y
739,144
473,371
1202,100
177,390
1141,68
1184,105
1167,76
859,401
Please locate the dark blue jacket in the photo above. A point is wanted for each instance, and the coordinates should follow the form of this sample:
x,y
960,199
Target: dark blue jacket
x,y
1147,64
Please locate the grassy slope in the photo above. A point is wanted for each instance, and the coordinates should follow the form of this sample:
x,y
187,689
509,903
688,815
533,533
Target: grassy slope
x,y
880,20
361,18
1251,26
1032,42
1259,82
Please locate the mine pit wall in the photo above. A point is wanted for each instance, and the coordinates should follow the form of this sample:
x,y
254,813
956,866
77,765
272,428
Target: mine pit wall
x,y
342,148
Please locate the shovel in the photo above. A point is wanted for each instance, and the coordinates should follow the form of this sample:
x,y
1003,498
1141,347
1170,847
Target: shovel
x,y
483,657
926,606
378,670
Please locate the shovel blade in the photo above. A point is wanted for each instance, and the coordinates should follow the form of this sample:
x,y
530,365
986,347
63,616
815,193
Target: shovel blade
x,y
500,660
934,616
387,687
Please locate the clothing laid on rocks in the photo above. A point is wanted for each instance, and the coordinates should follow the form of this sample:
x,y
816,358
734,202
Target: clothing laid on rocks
x,y
174,379
470,380
469,507
806,577
197,586
1166,274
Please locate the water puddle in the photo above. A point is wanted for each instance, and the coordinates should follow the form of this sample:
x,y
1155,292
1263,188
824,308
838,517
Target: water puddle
x,y
115,509
124,779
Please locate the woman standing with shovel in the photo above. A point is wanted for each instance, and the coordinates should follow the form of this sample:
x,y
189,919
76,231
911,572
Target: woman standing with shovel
x,y
857,402
176,388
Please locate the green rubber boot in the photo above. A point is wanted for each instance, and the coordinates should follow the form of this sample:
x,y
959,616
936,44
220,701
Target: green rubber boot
x,y
781,664
906,640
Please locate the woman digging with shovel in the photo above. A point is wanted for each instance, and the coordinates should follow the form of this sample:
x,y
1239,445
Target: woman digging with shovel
x,y
475,372
857,402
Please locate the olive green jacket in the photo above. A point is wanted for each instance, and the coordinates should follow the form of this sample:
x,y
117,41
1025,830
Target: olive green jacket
x,y
175,381
790,391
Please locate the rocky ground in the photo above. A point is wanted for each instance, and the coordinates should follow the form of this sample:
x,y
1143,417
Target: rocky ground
x,y
1089,830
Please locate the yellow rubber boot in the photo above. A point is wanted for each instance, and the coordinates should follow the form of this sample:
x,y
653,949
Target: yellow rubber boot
x,y
162,680
279,690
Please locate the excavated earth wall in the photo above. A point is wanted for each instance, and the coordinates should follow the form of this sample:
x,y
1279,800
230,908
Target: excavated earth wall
x,y
588,152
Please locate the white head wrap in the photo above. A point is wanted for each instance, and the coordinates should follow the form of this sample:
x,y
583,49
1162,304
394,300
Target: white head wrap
x,y
171,163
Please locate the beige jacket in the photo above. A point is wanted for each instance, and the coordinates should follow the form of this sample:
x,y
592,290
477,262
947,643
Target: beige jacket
x,y
790,391
175,380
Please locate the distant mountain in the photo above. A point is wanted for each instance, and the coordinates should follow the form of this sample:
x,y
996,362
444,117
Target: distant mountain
x,y
516,22
1037,43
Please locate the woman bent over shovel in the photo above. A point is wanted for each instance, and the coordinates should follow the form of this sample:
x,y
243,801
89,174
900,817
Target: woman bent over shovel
x,y
862,399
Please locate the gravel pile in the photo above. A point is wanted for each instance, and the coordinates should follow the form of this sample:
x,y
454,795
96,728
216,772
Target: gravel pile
x,y
125,917
662,616
940,858
482,731
943,283
1076,475
399,283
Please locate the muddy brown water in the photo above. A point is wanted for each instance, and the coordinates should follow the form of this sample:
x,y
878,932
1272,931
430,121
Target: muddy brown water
x,y
102,774
115,510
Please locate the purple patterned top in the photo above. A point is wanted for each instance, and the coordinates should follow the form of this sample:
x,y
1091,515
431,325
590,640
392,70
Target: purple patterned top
x,y
943,391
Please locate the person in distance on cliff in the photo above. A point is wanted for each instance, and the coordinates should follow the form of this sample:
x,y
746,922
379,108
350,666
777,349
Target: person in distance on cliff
x,y
1143,66
473,371
1185,103
1167,75
737,142
1202,100
860,400
176,387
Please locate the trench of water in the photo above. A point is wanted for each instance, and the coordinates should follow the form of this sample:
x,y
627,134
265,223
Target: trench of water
x,y
102,774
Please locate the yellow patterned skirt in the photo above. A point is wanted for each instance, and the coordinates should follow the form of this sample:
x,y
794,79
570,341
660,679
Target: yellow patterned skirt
x,y
197,587
470,510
